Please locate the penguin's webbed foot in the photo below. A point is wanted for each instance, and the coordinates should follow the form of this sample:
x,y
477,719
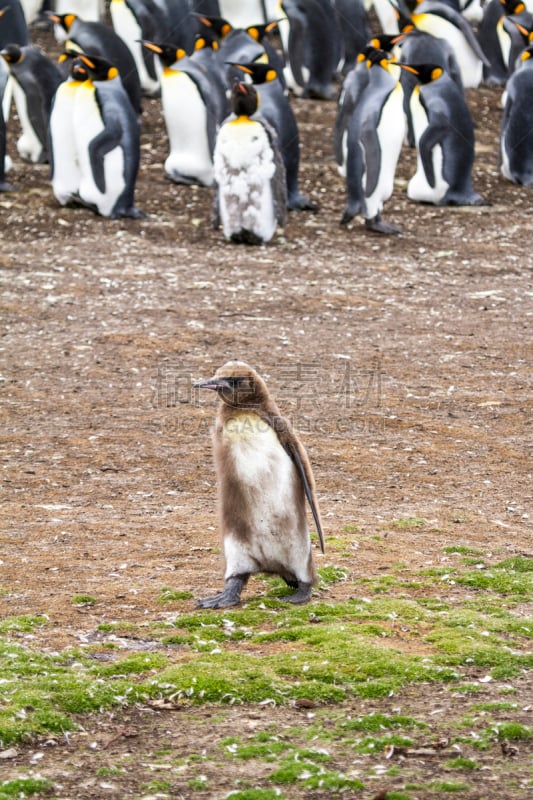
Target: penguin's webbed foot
x,y
244,236
6,187
130,213
303,595
231,596
299,202
378,225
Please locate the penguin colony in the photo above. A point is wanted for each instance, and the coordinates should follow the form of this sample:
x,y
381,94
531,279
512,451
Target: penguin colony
x,y
233,67
225,99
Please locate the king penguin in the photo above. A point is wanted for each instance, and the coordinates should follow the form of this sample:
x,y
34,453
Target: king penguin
x,y
100,40
135,20
500,37
35,80
445,22
186,84
444,136
5,162
375,133
64,160
251,195
516,138
313,47
263,476
107,136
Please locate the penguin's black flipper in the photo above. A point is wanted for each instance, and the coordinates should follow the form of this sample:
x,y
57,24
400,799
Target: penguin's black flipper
x,y
431,137
372,154
99,147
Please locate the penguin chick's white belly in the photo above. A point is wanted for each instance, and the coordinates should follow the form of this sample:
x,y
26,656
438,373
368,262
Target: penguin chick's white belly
x,y
470,66
391,133
28,145
419,188
244,167
262,503
88,124
127,27
66,174
186,121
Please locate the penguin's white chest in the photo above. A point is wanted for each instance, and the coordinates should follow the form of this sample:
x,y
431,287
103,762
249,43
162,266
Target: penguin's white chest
x,y
470,65
88,125
66,174
186,121
28,145
242,15
244,168
390,132
129,30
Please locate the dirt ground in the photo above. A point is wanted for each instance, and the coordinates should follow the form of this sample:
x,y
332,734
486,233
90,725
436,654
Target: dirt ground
x,y
404,362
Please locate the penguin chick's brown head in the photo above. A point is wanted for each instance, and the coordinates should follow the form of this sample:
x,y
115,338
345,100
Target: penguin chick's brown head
x,y
244,100
237,385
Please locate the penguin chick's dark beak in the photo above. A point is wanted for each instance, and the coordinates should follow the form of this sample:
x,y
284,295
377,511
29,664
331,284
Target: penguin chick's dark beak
x,y
213,383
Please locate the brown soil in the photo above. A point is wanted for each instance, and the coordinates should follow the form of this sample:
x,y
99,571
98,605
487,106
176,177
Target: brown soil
x,y
405,363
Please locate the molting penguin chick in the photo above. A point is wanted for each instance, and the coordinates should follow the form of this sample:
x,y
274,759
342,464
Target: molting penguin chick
x,y
251,189
263,476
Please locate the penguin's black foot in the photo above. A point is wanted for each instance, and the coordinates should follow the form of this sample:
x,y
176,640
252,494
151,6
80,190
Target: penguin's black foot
x,y
347,217
245,236
378,225
299,202
303,595
6,187
231,596
130,213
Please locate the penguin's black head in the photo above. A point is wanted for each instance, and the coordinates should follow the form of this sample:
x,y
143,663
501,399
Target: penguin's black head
x,y
259,73
218,25
168,53
64,20
377,56
12,54
424,73
99,69
237,385
78,70
386,41
258,32
244,99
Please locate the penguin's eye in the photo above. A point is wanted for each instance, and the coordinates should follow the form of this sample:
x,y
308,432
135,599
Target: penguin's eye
x,y
234,382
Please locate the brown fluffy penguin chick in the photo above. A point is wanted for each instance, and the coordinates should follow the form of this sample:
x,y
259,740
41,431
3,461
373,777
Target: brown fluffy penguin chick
x,y
264,477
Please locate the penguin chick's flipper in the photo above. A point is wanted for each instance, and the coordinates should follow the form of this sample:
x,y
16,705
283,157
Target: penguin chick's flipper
x,y
303,595
299,458
231,596
378,225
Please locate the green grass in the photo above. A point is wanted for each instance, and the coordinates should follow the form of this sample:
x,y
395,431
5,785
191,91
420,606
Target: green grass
x,y
409,522
24,787
269,652
84,600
